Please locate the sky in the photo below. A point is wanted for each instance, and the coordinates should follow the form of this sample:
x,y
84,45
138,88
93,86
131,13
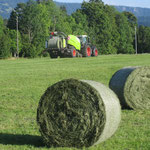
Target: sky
x,y
133,3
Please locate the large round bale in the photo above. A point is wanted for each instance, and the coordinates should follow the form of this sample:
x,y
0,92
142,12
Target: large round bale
x,y
78,113
132,85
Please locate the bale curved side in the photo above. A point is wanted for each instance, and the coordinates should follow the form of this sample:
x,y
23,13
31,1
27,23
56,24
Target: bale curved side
x,y
112,109
117,83
132,86
73,113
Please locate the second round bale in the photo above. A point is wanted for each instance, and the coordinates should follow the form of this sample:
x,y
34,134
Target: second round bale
x,y
132,85
78,113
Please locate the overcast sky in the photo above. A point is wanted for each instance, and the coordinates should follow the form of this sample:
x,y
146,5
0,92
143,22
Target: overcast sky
x,y
134,3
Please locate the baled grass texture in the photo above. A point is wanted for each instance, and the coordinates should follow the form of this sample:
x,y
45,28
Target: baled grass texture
x,y
132,85
75,113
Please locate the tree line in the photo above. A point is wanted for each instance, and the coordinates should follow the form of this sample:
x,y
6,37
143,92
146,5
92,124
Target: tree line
x,y
111,31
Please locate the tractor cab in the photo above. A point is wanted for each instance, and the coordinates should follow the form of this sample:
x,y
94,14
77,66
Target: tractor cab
x,y
84,39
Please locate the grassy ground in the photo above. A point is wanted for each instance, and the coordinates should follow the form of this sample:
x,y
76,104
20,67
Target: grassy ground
x,y
23,81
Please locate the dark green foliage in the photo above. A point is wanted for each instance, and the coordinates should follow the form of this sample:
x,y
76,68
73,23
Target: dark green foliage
x,y
63,9
109,30
12,21
4,41
34,23
98,23
34,26
13,42
5,46
144,39
125,44
1,26
81,26
28,49
131,19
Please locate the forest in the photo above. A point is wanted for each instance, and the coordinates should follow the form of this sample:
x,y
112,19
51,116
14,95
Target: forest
x,y
111,31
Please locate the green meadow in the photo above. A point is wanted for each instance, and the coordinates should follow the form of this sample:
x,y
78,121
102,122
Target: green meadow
x,y
23,81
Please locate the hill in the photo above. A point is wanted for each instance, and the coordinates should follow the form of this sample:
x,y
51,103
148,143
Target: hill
x,y
143,14
70,7
6,7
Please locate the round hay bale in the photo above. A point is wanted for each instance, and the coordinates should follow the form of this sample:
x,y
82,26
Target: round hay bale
x,y
78,113
132,85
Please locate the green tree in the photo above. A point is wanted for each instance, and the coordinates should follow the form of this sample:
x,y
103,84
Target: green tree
x,y
144,39
5,46
63,9
13,40
63,25
1,26
131,19
125,34
18,11
81,26
100,25
54,14
35,23
4,41
12,20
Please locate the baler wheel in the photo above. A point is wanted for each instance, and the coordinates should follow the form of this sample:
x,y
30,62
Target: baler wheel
x,y
73,52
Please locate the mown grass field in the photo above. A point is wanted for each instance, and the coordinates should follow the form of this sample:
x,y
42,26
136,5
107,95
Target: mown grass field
x,y
23,81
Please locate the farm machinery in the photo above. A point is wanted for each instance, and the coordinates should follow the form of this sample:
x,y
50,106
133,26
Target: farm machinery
x,y
59,44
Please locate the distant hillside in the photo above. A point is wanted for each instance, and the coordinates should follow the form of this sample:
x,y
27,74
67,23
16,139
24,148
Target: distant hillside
x,y
70,7
6,6
143,14
137,11
144,20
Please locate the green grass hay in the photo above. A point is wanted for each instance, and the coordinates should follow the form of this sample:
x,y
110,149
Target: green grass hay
x,y
132,85
75,113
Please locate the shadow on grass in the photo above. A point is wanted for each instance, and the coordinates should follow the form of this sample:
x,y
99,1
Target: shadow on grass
x,y
16,139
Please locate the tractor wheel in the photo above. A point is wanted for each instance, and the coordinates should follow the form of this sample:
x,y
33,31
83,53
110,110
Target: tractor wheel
x,y
73,52
86,52
53,55
95,52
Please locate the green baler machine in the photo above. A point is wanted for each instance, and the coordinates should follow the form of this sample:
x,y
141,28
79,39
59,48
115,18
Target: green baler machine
x,y
59,44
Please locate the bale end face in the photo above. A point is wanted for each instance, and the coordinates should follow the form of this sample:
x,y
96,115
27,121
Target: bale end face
x,y
137,89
